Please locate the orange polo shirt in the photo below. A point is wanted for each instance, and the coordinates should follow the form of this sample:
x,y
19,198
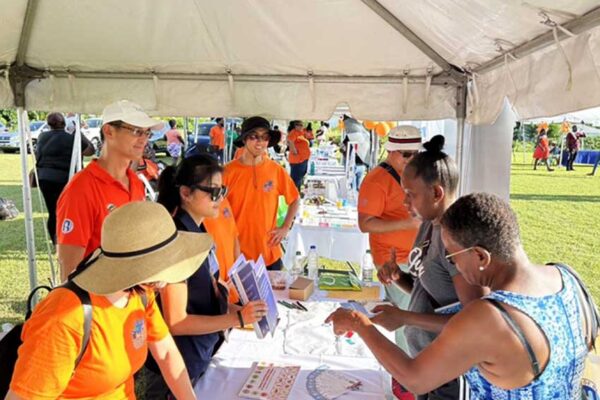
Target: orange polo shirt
x,y
86,201
224,232
217,137
53,336
254,197
302,145
381,196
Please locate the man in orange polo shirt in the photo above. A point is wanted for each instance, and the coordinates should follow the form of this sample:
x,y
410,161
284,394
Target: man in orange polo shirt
x,y
381,210
217,138
106,183
299,147
255,183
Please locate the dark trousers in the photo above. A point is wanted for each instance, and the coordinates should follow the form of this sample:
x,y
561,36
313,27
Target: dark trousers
x,y
571,160
297,172
276,266
51,192
452,390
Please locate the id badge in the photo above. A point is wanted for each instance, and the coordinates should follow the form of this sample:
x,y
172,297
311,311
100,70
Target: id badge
x,y
213,263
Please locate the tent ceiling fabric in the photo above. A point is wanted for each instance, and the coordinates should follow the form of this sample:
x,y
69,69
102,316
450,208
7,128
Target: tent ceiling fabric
x,y
327,38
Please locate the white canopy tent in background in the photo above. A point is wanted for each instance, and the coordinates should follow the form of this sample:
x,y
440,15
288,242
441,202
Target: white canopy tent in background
x,y
299,59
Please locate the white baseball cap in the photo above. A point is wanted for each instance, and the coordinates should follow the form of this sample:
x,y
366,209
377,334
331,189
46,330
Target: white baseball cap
x,y
131,113
404,138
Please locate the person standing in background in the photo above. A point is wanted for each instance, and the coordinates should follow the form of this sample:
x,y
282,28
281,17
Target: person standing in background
x,y
175,141
573,143
53,161
299,153
217,138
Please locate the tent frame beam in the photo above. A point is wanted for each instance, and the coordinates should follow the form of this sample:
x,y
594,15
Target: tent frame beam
x,y
19,77
577,25
28,73
409,35
30,12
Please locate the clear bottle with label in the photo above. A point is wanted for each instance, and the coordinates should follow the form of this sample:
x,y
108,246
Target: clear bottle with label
x,y
367,268
297,269
313,263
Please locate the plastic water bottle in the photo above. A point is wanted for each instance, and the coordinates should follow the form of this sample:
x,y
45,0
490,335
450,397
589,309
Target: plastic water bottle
x,y
312,168
313,263
297,267
367,268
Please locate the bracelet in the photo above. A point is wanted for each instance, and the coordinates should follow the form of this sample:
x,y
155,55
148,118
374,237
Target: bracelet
x,y
239,313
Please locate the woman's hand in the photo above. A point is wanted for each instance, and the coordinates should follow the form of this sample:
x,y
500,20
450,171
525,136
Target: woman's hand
x,y
347,320
389,317
390,271
254,311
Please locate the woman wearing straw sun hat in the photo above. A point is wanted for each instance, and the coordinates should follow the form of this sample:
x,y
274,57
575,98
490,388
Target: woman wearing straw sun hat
x,y
126,322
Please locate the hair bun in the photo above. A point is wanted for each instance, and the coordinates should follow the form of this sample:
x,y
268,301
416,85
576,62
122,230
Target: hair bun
x,y
435,144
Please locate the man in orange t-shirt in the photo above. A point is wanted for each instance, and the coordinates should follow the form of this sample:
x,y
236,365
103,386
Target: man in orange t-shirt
x,y
103,185
299,147
224,232
382,213
217,138
255,183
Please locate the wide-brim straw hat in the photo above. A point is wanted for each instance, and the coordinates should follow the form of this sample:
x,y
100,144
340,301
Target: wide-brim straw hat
x,y
140,244
404,138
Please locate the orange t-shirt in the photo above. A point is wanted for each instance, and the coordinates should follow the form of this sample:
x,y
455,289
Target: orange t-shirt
x,y
87,200
302,145
238,153
217,137
254,197
381,196
53,336
224,232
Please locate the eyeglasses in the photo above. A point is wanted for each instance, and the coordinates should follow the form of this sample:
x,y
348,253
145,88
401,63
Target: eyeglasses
x,y
137,132
449,256
264,138
215,192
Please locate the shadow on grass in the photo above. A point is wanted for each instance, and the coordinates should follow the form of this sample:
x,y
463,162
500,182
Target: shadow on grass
x,y
551,197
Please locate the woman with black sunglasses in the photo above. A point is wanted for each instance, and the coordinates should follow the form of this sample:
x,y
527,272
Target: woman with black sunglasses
x,y
196,311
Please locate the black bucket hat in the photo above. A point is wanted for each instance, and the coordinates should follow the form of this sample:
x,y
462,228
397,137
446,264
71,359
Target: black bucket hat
x,y
253,123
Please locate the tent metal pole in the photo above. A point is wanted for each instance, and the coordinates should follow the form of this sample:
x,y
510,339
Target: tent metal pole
x,y
577,25
523,137
461,114
28,209
26,31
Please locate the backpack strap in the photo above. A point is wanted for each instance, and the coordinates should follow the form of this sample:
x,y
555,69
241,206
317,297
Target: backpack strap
x,y
391,171
535,365
590,312
86,303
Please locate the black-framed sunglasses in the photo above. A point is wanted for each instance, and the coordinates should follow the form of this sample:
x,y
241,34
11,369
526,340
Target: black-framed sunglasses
x,y
215,192
137,132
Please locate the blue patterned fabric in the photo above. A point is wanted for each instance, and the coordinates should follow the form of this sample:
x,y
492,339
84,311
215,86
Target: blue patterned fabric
x,y
559,317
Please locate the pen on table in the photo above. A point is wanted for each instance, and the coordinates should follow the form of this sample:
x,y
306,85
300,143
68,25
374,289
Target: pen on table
x,y
301,306
286,304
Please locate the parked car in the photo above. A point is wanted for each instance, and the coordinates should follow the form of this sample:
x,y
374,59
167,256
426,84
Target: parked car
x,y
36,128
3,128
158,139
199,142
92,132
10,142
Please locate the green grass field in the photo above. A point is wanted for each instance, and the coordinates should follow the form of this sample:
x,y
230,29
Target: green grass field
x,y
558,212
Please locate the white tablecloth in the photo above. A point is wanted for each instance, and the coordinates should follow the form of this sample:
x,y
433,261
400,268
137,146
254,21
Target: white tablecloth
x,y
301,339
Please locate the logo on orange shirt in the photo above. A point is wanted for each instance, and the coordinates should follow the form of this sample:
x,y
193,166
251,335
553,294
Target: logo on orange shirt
x,y
268,186
67,226
138,335
226,212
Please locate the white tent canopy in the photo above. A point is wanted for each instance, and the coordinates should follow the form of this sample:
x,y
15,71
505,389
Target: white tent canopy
x,y
299,59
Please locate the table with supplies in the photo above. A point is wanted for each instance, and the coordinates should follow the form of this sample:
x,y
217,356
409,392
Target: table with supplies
x,y
311,361
332,228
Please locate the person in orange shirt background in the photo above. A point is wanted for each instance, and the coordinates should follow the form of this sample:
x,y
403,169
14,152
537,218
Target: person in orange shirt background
x,y
226,236
102,186
119,282
254,184
382,213
299,147
217,138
